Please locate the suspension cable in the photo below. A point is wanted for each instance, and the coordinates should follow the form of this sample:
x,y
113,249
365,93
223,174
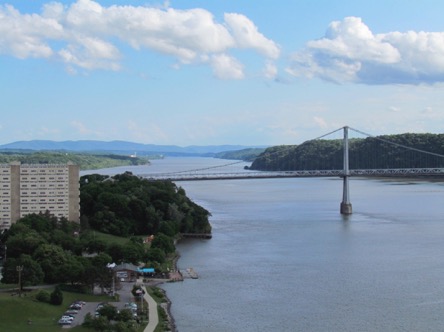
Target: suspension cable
x,y
397,144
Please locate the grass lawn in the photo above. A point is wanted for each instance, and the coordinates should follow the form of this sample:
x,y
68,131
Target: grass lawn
x,y
16,311
108,238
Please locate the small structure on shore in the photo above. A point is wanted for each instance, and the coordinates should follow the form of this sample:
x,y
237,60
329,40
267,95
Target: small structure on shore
x,y
205,236
126,272
191,273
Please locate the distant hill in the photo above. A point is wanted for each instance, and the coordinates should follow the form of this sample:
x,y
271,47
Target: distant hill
x,y
119,147
386,151
249,154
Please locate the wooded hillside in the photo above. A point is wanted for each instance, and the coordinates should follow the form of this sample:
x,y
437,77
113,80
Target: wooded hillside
x,y
128,205
368,153
84,160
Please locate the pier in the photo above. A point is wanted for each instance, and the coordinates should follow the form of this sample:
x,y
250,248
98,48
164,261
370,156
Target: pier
x,y
205,236
189,273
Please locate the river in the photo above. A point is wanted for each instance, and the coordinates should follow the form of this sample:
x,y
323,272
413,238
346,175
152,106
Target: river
x,y
282,258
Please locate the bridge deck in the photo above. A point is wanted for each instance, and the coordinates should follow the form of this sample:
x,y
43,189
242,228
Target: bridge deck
x,y
395,172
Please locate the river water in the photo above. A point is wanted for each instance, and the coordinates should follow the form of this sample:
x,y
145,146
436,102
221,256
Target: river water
x,y
282,258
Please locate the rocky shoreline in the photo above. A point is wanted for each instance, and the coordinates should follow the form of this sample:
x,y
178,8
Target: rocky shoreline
x,y
174,276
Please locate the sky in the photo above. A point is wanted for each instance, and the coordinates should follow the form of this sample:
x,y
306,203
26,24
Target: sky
x,y
216,72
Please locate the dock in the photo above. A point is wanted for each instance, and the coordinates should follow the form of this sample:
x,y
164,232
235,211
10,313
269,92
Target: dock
x,y
190,273
205,236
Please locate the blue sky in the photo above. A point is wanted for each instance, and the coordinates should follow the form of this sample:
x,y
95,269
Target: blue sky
x,y
219,72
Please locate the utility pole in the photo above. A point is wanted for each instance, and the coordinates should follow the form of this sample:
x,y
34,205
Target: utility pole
x,y
19,269
114,285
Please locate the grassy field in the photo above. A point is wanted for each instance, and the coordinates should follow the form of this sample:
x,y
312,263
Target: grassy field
x,y
16,311
108,238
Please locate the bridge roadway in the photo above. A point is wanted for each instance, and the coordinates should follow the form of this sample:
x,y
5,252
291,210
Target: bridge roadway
x,y
389,172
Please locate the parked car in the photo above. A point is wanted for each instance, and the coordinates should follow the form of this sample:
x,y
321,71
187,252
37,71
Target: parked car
x,y
71,312
65,321
66,317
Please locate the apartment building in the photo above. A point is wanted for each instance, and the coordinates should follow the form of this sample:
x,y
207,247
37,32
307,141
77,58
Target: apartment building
x,y
34,188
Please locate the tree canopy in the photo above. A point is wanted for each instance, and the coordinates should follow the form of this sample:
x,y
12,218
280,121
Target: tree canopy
x,y
84,160
129,205
388,151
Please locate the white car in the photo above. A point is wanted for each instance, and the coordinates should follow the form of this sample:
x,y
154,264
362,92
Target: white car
x,y
67,317
65,321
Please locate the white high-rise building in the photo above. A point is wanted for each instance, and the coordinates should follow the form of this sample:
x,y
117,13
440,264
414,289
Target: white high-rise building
x,y
34,188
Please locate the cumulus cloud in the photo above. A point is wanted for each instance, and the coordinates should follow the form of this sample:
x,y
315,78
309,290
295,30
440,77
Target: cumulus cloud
x,y
25,36
246,35
226,67
85,35
350,52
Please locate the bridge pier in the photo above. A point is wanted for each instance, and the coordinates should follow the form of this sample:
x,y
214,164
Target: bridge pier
x,y
346,207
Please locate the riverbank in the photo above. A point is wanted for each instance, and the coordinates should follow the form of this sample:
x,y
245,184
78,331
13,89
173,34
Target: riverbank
x,y
174,276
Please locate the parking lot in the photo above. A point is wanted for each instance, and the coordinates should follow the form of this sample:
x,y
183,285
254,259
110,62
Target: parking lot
x,y
125,296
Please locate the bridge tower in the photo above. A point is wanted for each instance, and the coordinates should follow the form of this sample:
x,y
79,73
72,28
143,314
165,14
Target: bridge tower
x,y
346,207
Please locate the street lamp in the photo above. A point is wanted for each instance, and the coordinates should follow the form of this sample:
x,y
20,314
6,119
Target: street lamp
x,y
19,269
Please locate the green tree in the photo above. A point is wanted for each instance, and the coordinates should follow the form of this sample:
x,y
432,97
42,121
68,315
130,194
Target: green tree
x,y
116,251
163,242
133,252
99,271
53,261
31,274
74,269
56,297
109,311
155,255
23,243
125,315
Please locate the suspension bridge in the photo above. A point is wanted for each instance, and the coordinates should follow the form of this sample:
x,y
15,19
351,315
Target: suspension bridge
x,y
339,164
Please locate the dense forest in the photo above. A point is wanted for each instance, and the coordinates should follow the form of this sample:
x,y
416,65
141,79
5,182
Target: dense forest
x,y
245,154
387,151
128,205
84,160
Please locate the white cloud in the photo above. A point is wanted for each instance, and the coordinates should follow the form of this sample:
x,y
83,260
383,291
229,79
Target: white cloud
x,y
320,122
350,52
25,36
91,53
80,127
226,67
85,34
270,70
247,35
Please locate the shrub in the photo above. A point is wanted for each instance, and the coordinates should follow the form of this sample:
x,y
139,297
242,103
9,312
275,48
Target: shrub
x,y
56,297
43,296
